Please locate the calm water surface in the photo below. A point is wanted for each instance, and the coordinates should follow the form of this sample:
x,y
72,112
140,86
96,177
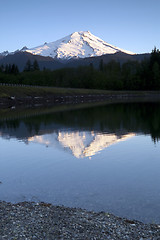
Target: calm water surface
x,y
104,158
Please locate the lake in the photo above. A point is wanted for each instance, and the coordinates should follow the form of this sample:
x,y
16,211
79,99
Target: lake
x,y
101,158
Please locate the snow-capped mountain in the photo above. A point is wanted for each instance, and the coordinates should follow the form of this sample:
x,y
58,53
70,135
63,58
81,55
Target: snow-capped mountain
x,y
76,45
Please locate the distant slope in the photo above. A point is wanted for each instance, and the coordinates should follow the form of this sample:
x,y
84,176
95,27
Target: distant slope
x,y
20,59
119,57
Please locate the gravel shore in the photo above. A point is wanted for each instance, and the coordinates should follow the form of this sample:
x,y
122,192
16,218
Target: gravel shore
x,y
43,221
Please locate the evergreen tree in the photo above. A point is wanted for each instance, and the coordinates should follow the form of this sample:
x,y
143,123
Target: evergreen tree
x,y
155,57
35,66
28,66
13,69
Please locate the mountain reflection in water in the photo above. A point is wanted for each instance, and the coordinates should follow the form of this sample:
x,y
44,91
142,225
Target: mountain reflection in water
x,y
81,144
122,179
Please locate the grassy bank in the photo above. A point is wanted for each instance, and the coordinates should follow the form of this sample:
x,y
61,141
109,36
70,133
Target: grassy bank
x,y
25,91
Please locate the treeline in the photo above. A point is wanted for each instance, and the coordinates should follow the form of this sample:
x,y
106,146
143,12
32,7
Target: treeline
x,y
131,75
9,69
13,69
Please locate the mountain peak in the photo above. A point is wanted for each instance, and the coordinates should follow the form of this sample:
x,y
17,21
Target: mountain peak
x,y
24,48
80,44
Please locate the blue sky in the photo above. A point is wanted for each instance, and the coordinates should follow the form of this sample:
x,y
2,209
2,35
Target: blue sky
x,y
131,25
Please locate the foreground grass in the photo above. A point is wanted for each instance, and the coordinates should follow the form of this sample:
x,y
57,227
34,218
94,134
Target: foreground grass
x,y
25,91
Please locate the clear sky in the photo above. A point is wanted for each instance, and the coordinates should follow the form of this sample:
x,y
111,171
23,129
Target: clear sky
x,y
133,25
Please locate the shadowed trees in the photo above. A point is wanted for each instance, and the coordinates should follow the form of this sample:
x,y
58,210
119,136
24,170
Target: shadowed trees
x,y
31,67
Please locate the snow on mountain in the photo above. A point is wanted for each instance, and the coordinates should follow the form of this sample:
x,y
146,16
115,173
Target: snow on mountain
x,y
76,45
5,53
81,144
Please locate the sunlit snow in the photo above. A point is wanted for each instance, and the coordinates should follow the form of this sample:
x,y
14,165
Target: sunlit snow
x,y
76,45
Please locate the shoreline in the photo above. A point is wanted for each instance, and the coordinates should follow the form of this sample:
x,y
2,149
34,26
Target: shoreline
x,y
54,100
30,220
34,96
